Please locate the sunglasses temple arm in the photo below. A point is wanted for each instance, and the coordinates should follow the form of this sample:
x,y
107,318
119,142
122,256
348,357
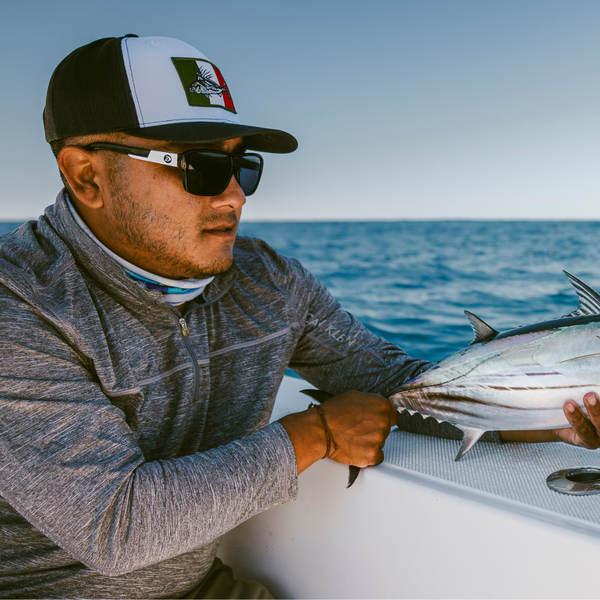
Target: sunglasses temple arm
x,y
168,159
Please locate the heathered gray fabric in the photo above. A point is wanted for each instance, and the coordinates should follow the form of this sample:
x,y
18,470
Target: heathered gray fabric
x,y
126,449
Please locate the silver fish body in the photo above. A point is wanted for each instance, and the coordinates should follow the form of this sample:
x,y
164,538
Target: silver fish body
x,y
516,380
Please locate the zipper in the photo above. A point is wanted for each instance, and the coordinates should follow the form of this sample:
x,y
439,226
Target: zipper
x,y
184,328
185,332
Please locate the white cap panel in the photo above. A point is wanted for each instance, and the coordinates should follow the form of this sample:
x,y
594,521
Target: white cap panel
x,y
158,91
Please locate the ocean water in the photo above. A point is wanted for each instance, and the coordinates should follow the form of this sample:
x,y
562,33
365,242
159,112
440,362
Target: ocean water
x,y
410,282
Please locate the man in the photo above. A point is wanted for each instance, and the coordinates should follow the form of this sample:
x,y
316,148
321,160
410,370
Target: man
x,y
143,345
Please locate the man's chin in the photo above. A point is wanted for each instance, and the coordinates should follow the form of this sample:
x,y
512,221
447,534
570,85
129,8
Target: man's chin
x,y
216,268
201,269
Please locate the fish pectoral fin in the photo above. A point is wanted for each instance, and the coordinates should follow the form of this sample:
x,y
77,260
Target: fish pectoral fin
x,y
318,395
469,438
481,330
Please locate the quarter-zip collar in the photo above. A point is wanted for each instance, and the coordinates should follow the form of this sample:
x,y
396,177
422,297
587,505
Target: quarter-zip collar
x,y
174,292
112,277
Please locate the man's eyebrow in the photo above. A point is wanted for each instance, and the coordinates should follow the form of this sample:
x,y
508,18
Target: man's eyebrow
x,y
239,148
172,147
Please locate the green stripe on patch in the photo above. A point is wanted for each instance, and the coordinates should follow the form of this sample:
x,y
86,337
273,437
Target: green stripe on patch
x,y
187,69
203,83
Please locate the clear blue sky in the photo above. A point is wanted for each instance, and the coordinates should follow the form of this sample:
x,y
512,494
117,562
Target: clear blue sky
x,y
403,108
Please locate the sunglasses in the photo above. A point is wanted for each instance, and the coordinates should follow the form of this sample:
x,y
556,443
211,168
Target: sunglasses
x,y
205,172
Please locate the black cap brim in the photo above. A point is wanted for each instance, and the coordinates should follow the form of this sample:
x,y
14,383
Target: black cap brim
x,y
256,138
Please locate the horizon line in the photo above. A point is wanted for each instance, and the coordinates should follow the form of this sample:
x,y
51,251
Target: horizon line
x,y
399,220
427,220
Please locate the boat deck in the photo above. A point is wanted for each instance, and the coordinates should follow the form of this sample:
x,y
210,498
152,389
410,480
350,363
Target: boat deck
x,y
510,476
424,526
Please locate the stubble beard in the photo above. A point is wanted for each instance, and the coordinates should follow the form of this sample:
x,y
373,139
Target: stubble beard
x,y
132,225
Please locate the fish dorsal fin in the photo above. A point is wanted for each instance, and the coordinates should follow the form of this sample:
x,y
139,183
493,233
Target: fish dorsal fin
x,y
470,437
483,332
589,299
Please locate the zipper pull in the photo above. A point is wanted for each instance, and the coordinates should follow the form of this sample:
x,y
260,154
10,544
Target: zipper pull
x,y
184,328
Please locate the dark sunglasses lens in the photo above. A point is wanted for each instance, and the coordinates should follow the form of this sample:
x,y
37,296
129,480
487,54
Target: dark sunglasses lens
x,y
207,173
248,174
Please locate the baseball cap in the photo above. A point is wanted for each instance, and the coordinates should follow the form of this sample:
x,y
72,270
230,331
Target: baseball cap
x,y
157,88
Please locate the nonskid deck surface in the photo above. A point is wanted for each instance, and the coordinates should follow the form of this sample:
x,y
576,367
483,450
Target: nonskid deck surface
x,y
511,476
506,476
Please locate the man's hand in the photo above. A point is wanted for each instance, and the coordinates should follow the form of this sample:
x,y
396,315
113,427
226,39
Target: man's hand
x,y
359,422
584,431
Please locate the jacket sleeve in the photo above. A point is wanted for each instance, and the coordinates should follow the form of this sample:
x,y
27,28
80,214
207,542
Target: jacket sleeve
x,y
71,466
337,353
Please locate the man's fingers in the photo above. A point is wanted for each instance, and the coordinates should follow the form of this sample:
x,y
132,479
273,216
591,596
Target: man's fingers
x,y
360,424
585,429
389,410
379,458
592,404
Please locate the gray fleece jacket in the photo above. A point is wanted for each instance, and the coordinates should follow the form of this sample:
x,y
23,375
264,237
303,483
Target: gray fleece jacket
x,y
128,448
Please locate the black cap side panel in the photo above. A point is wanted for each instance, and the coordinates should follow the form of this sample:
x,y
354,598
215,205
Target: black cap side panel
x,y
89,93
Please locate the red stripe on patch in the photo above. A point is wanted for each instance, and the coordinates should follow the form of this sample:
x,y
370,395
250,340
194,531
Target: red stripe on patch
x,y
226,97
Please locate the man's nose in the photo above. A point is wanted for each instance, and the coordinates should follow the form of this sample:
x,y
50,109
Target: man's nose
x,y
232,196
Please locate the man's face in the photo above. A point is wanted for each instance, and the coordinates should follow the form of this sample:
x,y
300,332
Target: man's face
x,y
150,220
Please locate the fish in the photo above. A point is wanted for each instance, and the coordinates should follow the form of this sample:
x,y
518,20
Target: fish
x,y
515,380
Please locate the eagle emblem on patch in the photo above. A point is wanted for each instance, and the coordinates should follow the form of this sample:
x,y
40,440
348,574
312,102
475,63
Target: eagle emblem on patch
x,y
203,83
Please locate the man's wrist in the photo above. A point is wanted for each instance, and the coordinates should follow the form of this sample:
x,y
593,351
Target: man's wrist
x,y
306,434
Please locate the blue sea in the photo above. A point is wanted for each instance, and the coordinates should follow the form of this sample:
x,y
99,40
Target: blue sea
x,y
410,281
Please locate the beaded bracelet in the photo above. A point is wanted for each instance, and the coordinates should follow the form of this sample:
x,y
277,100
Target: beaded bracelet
x,y
328,435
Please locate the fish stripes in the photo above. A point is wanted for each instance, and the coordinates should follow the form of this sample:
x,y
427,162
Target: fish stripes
x,y
548,364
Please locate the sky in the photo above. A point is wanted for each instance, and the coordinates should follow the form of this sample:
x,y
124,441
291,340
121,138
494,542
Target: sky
x,y
403,109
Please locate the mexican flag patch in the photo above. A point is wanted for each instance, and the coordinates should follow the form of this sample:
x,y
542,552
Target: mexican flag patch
x,y
203,83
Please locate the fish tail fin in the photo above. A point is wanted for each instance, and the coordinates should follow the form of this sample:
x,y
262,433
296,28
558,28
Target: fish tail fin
x,y
318,395
353,473
470,437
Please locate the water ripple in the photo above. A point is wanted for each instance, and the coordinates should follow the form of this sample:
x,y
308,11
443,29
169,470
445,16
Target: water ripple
x,y
411,281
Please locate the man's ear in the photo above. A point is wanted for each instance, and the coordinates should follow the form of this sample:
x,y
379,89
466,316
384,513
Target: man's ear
x,y
80,168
